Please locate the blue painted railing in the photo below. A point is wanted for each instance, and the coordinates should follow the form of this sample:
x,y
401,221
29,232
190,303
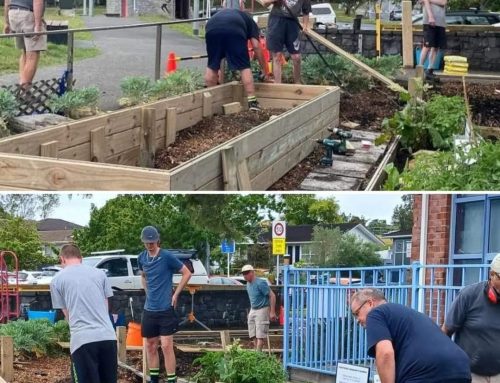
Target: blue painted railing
x,y
319,330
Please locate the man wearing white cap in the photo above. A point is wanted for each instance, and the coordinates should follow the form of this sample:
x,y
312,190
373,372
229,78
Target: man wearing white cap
x,y
263,306
474,318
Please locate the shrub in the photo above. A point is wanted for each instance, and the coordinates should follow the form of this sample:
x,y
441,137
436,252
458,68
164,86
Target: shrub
x,y
70,102
8,110
239,366
32,337
136,90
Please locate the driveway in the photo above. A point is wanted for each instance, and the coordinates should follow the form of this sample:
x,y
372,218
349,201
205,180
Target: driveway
x,y
128,52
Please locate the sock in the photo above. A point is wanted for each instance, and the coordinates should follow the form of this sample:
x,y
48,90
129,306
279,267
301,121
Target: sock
x,y
154,373
251,98
171,378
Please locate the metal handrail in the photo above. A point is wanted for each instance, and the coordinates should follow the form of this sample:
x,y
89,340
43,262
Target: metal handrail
x,y
71,39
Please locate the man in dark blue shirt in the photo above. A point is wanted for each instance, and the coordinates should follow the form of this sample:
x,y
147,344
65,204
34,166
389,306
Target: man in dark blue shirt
x,y
407,345
159,320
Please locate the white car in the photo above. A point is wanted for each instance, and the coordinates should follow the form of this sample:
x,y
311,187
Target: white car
x,y
47,274
124,274
324,14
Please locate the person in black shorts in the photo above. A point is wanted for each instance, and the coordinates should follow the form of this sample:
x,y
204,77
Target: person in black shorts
x,y
226,36
434,22
159,319
283,30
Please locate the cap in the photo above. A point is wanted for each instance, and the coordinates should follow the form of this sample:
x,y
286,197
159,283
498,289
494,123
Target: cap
x,y
150,234
247,268
495,264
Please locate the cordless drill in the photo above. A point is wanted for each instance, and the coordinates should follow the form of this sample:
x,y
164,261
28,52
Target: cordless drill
x,y
336,144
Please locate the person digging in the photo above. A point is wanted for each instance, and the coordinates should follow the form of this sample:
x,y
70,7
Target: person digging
x,y
263,306
226,36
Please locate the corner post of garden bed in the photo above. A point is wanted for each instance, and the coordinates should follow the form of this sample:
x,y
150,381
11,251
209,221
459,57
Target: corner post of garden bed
x,y
6,358
121,336
148,134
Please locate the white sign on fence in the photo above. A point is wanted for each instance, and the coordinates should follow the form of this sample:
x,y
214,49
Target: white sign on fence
x,y
348,373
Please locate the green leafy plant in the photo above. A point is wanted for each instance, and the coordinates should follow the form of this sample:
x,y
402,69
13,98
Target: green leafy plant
x,y
237,365
72,102
475,169
8,110
136,90
61,331
32,337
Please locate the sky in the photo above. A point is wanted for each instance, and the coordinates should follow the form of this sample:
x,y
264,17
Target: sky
x,y
370,205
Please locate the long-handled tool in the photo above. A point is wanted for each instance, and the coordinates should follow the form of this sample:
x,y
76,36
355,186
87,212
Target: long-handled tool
x,y
340,83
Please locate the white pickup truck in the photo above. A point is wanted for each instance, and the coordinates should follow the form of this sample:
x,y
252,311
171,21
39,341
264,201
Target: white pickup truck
x,y
123,271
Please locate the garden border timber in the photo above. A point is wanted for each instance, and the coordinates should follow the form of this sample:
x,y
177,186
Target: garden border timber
x,y
83,161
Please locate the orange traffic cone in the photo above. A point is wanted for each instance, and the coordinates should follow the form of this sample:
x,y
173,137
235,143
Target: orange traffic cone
x,y
171,63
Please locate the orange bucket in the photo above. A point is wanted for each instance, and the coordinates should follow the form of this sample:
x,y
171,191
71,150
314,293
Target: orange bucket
x,y
134,336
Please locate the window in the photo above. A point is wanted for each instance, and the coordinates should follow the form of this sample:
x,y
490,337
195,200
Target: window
x,y
402,251
135,267
115,267
454,20
469,228
494,235
476,20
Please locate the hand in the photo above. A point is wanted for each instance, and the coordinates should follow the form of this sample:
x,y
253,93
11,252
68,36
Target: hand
x,y
272,316
432,21
305,27
38,28
6,29
174,300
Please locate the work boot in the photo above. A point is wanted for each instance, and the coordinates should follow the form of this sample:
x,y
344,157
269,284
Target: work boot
x,y
253,104
429,75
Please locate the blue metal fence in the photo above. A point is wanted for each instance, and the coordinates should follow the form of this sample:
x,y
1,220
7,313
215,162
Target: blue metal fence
x,y
319,330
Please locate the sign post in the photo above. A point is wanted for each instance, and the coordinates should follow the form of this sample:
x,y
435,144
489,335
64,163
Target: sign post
x,y
228,247
279,243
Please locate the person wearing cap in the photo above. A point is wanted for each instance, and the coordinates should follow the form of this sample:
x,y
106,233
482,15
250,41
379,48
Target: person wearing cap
x,y
474,319
406,344
159,319
262,306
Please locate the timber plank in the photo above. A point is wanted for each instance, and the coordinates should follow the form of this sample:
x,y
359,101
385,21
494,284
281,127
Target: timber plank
x,y
203,169
207,104
49,149
229,168
346,169
98,145
277,103
372,72
290,91
367,156
323,181
52,174
148,138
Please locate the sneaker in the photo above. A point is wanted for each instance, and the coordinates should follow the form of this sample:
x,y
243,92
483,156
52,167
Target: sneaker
x,y
254,106
429,75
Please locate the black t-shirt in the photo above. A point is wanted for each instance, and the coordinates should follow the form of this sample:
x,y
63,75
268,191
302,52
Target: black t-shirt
x,y
423,353
476,324
235,22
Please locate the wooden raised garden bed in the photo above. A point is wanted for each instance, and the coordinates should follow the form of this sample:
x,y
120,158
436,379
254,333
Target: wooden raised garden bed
x,y
116,151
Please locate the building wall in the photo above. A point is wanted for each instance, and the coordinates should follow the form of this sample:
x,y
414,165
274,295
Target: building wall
x,y
481,48
438,230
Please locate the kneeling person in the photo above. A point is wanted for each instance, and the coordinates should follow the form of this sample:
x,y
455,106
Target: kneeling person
x,y
227,33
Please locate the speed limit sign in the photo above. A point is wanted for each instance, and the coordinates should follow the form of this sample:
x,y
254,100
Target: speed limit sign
x,y
279,229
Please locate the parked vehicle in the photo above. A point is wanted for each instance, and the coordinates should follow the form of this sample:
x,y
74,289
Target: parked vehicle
x,y
124,274
224,281
396,15
48,273
324,14
243,281
29,277
470,17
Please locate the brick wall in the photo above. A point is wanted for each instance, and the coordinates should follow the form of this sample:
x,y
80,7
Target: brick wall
x,y
481,48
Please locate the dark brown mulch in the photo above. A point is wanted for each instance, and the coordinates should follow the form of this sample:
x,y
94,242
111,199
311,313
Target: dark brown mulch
x,y
209,133
484,102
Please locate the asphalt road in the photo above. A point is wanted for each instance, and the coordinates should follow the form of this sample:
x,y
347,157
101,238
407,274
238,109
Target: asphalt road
x,y
124,53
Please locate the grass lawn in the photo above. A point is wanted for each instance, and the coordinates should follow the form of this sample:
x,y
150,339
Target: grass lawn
x,y
55,55
184,28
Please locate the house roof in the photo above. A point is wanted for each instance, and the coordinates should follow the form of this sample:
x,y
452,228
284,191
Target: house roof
x,y
303,233
56,236
398,234
55,224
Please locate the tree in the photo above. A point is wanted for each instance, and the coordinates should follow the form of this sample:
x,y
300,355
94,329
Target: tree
x,y
491,5
21,237
331,248
379,226
303,209
29,205
349,218
402,217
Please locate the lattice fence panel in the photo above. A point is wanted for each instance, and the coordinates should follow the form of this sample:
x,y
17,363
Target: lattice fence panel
x,y
35,99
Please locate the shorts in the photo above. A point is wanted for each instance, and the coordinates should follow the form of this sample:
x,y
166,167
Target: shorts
x,y
283,31
23,21
222,44
159,323
258,323
95,362
434,37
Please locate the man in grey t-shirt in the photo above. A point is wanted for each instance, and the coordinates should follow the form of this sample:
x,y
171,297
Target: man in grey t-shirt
x,y
474,318
82,293
434,23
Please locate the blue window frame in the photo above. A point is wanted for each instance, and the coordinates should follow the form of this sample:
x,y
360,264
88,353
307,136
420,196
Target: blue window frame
x,y
475,227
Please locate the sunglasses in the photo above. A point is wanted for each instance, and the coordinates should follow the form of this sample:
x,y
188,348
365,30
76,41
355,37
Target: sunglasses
x,y
356,313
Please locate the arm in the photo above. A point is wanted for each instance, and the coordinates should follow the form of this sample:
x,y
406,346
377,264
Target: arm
x,y
6,28
143,281
186,274
305,22
427,6
442,3
38,13
66,314
446,330
260,56
385,361
272,305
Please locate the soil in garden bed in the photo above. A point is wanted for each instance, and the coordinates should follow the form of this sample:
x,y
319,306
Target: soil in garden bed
x,y
209,133
367,108
484,102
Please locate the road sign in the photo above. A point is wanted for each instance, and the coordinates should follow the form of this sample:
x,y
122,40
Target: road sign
x,y
228,246
279,246
279,229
